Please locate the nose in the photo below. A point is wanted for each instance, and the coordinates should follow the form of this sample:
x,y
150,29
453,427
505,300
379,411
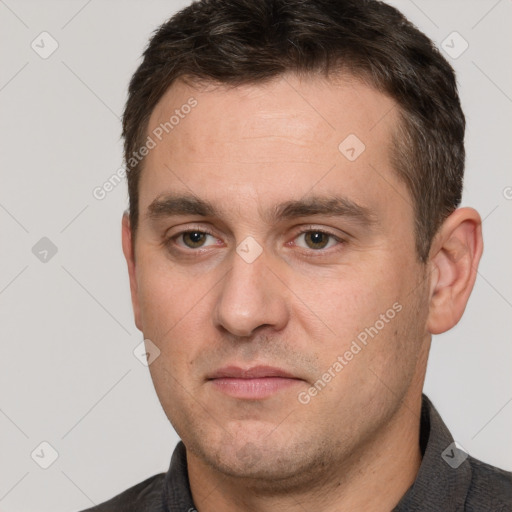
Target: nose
x,y
251,296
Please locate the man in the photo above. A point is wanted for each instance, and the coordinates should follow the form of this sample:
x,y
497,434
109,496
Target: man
x,y
293,242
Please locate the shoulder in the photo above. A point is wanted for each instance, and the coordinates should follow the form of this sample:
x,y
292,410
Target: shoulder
x,y
146,496
490,486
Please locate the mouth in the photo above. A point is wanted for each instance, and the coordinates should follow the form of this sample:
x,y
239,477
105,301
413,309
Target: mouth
x,y
254,383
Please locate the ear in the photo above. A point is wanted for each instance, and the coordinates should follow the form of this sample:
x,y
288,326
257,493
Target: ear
x,y
454,258
128,250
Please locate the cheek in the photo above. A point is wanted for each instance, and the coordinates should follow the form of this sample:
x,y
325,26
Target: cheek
x,y
169,312
165,295
364,313
174,313
350,300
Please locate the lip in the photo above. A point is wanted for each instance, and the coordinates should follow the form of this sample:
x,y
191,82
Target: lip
x,y
256,372
253,383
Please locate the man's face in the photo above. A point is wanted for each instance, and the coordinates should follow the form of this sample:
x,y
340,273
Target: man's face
x,y
336,298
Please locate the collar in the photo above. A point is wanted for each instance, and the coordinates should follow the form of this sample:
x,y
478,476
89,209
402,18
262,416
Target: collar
x,y
441,483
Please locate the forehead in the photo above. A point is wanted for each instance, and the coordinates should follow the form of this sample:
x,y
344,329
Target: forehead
x,y
300,110
272,141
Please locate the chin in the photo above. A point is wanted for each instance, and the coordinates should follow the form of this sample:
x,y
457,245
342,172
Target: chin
x,y
271,465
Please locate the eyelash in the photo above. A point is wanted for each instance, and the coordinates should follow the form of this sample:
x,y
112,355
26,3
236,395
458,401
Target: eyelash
x,y
309,229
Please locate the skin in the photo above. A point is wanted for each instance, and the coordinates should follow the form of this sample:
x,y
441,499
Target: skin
x,y
297,306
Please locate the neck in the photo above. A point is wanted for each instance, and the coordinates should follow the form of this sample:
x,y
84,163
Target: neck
x,y
374,480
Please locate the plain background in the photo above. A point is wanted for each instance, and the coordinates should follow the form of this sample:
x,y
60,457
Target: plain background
x,y
68,375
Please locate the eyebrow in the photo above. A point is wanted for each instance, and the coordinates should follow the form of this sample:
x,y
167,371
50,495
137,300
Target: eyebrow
x,y
335,206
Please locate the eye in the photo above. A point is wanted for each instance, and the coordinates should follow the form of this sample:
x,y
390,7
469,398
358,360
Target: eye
x,y
318,239
193,239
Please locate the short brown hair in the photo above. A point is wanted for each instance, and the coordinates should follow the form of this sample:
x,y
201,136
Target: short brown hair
x,y
249,41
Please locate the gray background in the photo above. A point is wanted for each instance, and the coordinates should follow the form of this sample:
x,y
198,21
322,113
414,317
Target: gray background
x,y
68,375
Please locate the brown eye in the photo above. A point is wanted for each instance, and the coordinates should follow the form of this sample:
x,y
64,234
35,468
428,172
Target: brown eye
x,y
193,239
316,239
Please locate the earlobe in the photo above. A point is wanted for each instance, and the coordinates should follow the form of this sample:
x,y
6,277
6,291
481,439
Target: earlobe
x,y
129,254
454,260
